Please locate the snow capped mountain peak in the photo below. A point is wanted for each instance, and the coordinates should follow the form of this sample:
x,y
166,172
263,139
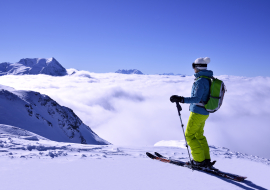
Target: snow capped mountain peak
x,y
40,114
33,66
50,59
130,71
40,61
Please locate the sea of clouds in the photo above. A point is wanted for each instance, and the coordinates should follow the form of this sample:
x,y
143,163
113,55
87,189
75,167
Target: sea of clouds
x,y
134,110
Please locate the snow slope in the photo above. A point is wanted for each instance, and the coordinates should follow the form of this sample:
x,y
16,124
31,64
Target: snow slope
x,y
40,114
43,164
33,66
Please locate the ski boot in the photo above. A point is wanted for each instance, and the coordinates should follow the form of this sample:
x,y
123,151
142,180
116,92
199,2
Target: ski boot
x,y
209,165
198,165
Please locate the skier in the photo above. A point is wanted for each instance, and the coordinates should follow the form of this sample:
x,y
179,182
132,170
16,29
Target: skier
x,y
195,128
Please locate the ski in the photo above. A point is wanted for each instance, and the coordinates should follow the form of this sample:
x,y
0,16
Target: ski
x,y
161,158
236,177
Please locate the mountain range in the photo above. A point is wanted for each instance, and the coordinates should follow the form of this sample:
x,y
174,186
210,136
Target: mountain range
x,y
33,66
130,71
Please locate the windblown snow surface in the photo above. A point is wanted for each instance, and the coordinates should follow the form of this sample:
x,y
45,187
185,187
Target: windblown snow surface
x,y
134,113
31,162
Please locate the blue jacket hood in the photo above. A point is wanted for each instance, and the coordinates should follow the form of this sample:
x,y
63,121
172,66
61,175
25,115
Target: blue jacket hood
x,y
207,73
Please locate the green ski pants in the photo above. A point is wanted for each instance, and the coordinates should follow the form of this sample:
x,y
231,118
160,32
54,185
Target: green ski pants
x,y
195,138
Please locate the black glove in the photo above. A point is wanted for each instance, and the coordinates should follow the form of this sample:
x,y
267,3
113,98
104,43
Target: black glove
x,y
175,98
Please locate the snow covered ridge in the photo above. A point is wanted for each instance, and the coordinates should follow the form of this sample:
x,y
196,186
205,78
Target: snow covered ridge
x,y
20,133
33,66
19,143
39,114
130,71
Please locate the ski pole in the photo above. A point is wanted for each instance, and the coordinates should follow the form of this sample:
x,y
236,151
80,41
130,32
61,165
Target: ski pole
x,y
179,108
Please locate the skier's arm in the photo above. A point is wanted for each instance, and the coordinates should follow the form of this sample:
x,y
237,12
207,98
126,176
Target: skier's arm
x,y
198,93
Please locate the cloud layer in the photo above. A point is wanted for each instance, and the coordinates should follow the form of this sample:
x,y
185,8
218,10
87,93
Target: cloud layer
x,y
135,109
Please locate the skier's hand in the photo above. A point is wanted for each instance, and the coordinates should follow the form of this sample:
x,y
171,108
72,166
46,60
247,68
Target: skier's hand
x,y
175,98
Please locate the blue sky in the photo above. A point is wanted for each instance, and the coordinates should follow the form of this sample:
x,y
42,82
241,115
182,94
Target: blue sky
x,y
154,36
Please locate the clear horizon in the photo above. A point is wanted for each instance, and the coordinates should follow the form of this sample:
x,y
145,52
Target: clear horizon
x,y
153,36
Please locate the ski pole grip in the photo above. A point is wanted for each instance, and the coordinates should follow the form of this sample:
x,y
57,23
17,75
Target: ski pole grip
x,y
179,108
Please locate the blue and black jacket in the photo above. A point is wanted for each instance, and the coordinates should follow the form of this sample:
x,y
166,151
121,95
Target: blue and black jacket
x,y
200,92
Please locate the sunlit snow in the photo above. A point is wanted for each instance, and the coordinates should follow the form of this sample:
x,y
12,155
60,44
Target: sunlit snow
x,y
32,162
172,143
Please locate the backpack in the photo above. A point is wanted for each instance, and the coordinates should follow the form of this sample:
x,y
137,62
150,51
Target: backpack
x,y
217,92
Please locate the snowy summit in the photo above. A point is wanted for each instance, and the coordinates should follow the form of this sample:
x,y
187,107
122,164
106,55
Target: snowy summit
x,y
33,66
130,71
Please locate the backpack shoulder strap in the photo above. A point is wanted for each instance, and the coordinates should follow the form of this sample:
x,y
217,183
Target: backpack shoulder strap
x,y
205,77
210,78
